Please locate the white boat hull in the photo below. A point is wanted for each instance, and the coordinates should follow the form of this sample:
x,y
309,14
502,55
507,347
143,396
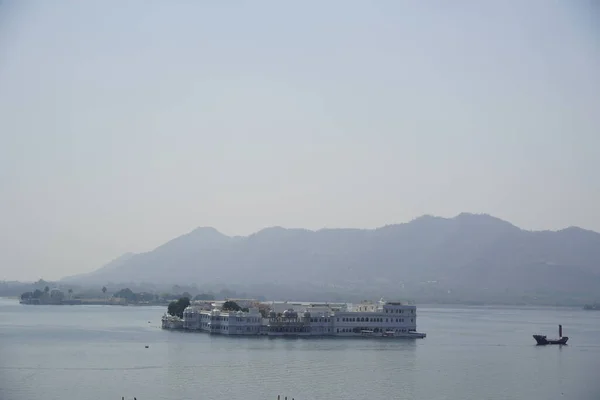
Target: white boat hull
x,y
394,335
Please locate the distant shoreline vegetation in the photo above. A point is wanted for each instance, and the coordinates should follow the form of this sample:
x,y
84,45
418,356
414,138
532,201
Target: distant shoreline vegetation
x,y
122,297
141,294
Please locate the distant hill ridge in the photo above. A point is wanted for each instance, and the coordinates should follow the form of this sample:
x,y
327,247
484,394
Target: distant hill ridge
x,y
470,252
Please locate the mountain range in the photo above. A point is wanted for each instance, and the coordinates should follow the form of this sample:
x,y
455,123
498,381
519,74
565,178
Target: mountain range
x,y
470,256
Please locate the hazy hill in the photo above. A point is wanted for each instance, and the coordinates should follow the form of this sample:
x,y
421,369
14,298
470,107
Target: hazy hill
x,y
107,268
475,255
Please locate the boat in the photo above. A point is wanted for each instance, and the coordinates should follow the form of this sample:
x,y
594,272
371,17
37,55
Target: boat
x,y
542,340
409,334
392,334
416,335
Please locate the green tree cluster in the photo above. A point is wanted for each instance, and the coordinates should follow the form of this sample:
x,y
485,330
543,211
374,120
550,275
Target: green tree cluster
x,y
126,294
37,294
176,308
133,297
27,295
231,306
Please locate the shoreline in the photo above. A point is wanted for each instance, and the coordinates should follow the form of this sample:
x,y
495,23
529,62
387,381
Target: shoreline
x,y
87,303
421,305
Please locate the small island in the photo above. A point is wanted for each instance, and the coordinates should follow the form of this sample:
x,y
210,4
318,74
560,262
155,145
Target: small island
x,y
56,296
44,297
250,317
594,307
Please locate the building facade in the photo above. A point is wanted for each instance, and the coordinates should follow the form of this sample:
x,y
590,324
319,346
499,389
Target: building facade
x,y
384,318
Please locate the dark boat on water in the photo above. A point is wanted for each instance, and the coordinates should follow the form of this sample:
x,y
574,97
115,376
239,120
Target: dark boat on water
x,y
543,340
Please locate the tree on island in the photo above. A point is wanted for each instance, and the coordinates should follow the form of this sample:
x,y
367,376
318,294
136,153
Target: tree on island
x,y
231,306
176,308
70,293
46,289
37,294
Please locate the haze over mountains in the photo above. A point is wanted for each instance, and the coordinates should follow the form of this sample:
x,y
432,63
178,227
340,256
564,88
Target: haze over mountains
x,y
466,258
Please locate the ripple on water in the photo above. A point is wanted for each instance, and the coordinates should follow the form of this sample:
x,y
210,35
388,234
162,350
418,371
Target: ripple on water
x,y
59,353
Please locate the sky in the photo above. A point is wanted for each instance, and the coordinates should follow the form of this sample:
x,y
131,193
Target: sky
x,y
126,124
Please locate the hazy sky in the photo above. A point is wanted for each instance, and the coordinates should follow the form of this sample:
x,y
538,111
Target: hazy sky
x,y
125,124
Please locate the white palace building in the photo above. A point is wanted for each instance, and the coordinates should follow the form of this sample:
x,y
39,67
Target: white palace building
x,y
381,319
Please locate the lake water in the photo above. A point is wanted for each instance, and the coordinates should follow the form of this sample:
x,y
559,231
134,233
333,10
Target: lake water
x,y
98,352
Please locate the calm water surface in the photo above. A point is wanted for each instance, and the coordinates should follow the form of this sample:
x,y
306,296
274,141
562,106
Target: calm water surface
x,y
97,352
